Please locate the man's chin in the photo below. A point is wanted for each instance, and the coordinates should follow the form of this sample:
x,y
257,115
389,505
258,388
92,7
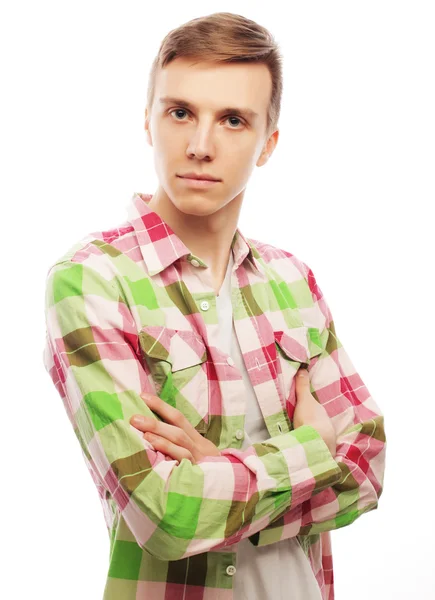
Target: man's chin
x,y
199,205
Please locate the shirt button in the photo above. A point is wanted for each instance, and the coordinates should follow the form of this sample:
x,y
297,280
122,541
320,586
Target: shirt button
x,y
239,434
231,569
204,305
230,361
194,262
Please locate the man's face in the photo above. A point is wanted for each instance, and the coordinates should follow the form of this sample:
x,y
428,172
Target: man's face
x,y
205,138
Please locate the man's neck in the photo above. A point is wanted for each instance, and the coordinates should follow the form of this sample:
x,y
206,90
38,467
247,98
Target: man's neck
x,y
208,237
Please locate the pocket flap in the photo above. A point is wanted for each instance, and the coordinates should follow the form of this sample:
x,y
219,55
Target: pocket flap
x,y
299,343
181,348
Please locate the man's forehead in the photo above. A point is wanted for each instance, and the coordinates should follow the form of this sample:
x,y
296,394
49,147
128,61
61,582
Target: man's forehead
x,y
240,87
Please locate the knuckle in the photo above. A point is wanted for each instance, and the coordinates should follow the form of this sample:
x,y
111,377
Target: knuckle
x,y
174,416
186,440
177,418
184,420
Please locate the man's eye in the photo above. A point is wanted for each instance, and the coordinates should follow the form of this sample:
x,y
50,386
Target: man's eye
x,y
182,110
237,119
178,110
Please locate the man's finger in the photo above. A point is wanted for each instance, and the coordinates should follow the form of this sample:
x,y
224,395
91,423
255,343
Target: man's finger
x,y
303,375
172,433
168,448
174,419
169,414
303,383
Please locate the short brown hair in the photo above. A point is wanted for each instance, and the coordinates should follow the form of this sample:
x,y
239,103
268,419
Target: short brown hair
x,y
223,37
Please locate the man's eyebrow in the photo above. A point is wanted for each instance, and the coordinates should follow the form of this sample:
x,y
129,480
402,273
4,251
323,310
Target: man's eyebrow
x,y
243,112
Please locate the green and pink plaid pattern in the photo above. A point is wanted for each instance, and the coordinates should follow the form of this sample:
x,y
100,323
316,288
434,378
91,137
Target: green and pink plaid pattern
x,y
127,312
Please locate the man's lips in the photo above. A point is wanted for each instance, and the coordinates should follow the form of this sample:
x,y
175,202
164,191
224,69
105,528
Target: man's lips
x,y
198,183
199,177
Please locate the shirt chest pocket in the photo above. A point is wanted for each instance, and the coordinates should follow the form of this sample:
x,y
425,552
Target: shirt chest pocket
x,y
295,348
177,361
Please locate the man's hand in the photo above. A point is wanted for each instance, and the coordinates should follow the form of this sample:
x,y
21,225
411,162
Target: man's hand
x,y
310,412
176,438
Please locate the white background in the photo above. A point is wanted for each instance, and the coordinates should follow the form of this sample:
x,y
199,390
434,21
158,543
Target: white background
x,y
352,182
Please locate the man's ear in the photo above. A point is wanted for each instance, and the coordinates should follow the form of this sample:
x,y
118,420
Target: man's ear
x,y
268,149
147,127
264,157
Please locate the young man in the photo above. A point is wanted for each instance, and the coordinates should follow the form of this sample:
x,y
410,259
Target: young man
x,y
251,465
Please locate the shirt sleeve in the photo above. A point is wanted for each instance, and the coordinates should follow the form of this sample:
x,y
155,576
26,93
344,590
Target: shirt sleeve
x,y
361,443
173,509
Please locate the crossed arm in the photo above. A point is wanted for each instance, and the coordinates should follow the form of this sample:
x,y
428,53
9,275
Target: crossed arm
x,y
177,508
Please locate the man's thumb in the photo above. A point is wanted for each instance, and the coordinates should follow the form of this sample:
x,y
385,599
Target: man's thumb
x,y
302,379
303,373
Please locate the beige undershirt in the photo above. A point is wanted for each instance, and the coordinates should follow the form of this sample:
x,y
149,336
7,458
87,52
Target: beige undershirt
x,y
278,571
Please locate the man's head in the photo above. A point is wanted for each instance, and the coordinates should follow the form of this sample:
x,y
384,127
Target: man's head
x,y
214,64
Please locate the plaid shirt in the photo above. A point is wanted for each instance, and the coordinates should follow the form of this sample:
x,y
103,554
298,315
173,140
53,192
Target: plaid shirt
x,y
127,312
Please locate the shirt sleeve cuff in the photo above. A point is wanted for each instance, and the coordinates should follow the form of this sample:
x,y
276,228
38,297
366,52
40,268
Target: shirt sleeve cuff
x,y
311,469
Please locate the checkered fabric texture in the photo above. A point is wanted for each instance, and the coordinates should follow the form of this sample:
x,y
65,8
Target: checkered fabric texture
x,y
124,317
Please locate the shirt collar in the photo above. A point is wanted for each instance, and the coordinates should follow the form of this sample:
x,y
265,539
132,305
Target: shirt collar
x,y
160,246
